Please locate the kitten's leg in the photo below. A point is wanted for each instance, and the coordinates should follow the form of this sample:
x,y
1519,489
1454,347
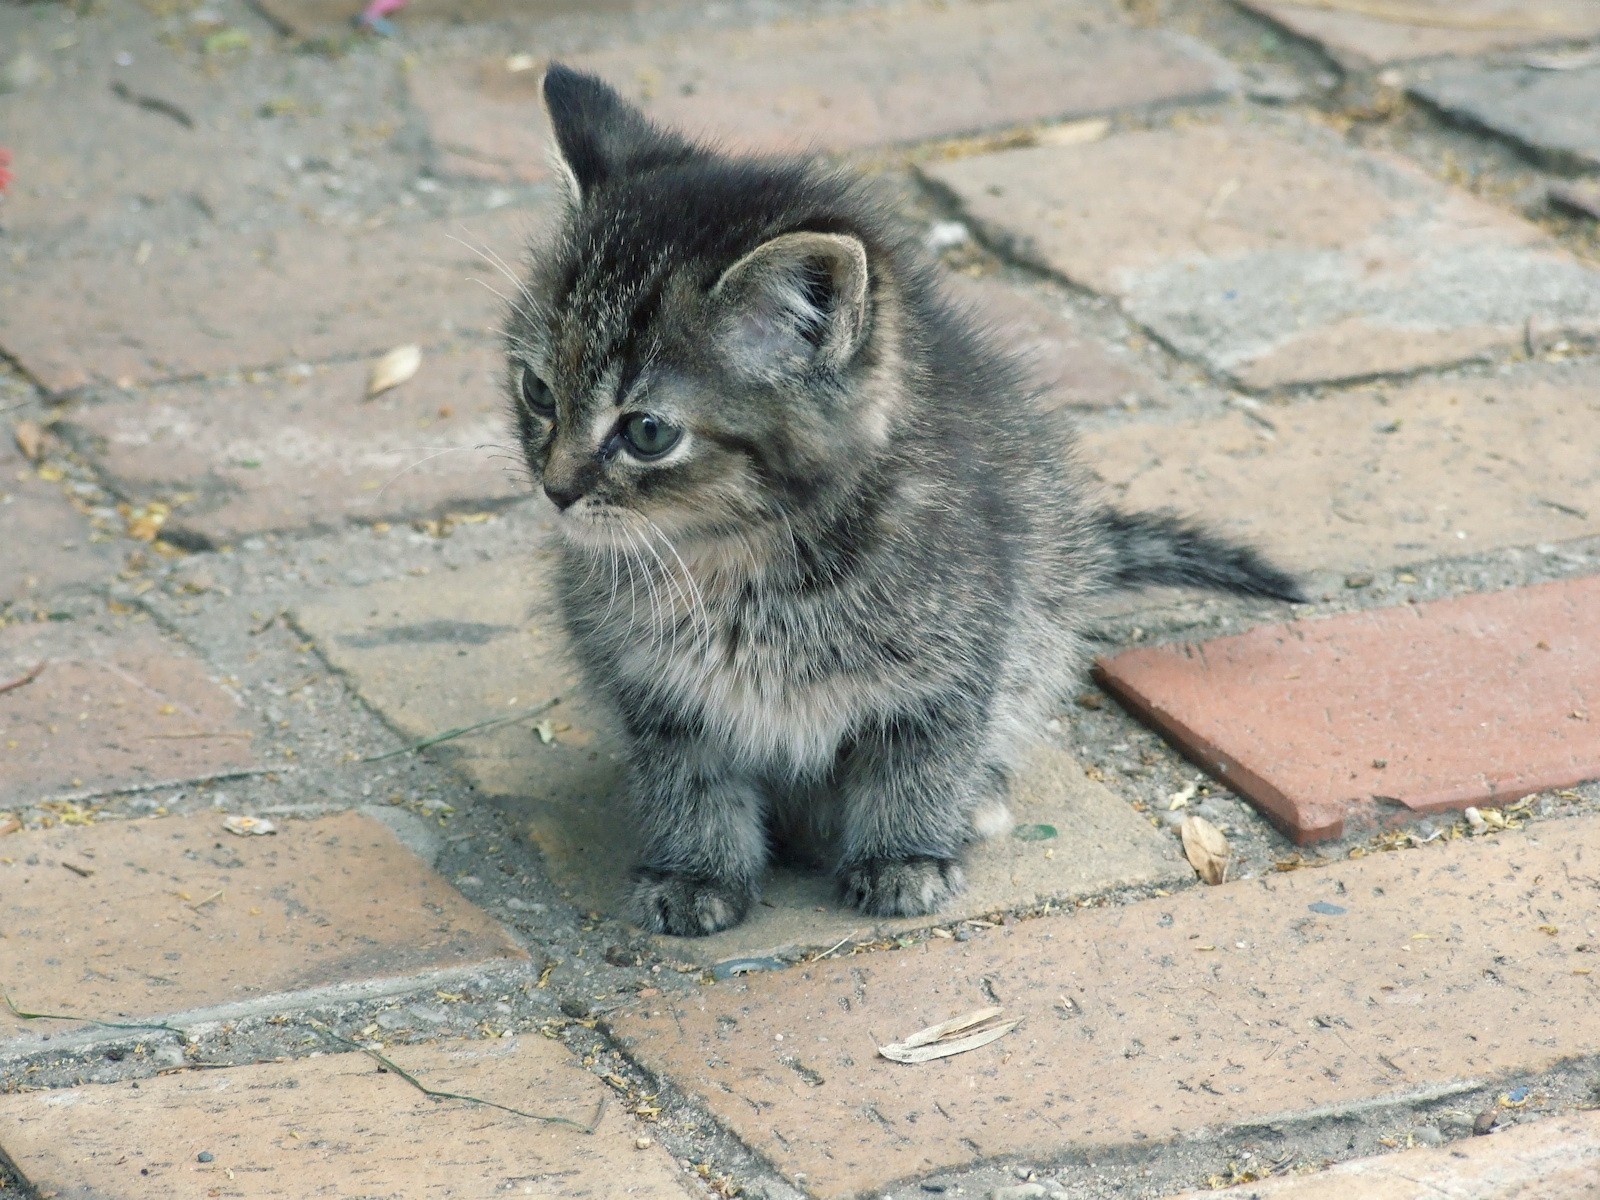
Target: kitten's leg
x,y
705,843
909,790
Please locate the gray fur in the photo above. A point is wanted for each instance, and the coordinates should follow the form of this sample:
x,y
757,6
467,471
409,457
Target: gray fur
x,y
835,614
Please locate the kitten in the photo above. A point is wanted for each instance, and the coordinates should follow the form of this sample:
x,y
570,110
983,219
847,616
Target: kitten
x,y
822,551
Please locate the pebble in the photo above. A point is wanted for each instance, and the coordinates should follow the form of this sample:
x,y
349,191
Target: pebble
x,y
1484,1122
1174,820
392,1018
1428,1135
1021,1191
642,1143
1475,820
205,1156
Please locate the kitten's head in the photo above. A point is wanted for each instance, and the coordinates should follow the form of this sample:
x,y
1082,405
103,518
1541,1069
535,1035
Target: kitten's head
x,y
706,343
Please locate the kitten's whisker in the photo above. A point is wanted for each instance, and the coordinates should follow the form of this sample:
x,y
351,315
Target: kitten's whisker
x,y
418,463
697,600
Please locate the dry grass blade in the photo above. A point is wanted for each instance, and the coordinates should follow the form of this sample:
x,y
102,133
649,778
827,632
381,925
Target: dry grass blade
x,y
1439,16
24,680
393,369
1206,849
463,730
33,1016
940,1041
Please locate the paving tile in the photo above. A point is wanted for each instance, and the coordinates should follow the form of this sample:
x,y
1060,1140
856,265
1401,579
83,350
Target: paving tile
x,y
116,707
297,450
1557,1158
337,1127
332,18
441,651
875,78
1279,255
1072,369
1360,41
176,916
1215,1009
1550,112
1380,477
1353,720
252,302
48,544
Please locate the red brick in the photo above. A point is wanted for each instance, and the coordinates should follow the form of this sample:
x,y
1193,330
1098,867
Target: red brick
x,y
1351,720
841,83
1361,41
1276,253
1557,1158
307,450
116,706
47,544
177,916
338,1128
1219,1009
298,294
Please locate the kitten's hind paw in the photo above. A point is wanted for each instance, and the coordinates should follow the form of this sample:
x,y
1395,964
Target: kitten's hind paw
x,y
901,887
686,905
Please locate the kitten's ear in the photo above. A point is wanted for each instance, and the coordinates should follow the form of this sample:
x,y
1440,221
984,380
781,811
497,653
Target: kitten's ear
x,y
798,300
598,134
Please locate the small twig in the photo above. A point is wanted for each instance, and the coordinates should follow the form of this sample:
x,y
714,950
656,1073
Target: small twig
x,y
77,870
389,1065
237,733
152,104
836,945
24,680
449,734
211,899
33,1016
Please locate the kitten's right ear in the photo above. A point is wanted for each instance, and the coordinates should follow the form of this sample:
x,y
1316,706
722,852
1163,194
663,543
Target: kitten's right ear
x,y
797,301
598,134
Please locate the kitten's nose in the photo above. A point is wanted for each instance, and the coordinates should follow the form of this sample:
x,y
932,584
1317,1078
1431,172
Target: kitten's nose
x,y
562,496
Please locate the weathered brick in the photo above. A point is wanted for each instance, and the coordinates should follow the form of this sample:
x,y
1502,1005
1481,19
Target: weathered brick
x,y
1552,113
1072,369
253,302
340,1127
47,544
298,450
1557,1158
443,651
1415,974
1355,719
1382,476
1279,255
176,916
1361,41
873,78
116,706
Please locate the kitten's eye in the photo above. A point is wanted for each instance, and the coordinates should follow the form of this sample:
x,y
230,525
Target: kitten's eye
x,y
650,437
536,394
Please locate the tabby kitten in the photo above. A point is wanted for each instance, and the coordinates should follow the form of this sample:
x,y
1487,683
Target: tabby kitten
x,y
822,551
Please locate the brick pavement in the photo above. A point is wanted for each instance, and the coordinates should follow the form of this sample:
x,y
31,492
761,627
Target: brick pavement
x,y
198,304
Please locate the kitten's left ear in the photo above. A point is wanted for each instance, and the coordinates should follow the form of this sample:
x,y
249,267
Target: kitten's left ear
x,y
598,134
796,301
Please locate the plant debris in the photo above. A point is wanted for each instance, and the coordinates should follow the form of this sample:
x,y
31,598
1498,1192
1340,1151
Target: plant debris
x,y
33,1016
249,826
389,1065
29,436
463,730
152,104
393,369
23,680
1206,849
1034,833
940,1041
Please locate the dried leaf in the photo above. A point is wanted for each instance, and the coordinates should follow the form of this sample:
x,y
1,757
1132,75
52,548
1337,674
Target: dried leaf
x,y
9,823
1206,849
939,1041
1181,797
393,369
29,436
249,826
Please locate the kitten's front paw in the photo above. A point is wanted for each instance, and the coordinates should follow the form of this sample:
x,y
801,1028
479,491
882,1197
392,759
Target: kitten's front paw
x,y
686,905
901,887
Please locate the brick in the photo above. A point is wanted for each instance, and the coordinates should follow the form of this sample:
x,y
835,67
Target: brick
x,y
253,302
1217,1009
437,652
1552,113
179,917
840,83
48,544
1348,721
116,707
1278,255
297,450
1361,42
1380,477
336,1127
1553,1159
1072,369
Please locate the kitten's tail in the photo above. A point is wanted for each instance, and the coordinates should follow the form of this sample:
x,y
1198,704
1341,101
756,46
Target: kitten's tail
x,y
1162,549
